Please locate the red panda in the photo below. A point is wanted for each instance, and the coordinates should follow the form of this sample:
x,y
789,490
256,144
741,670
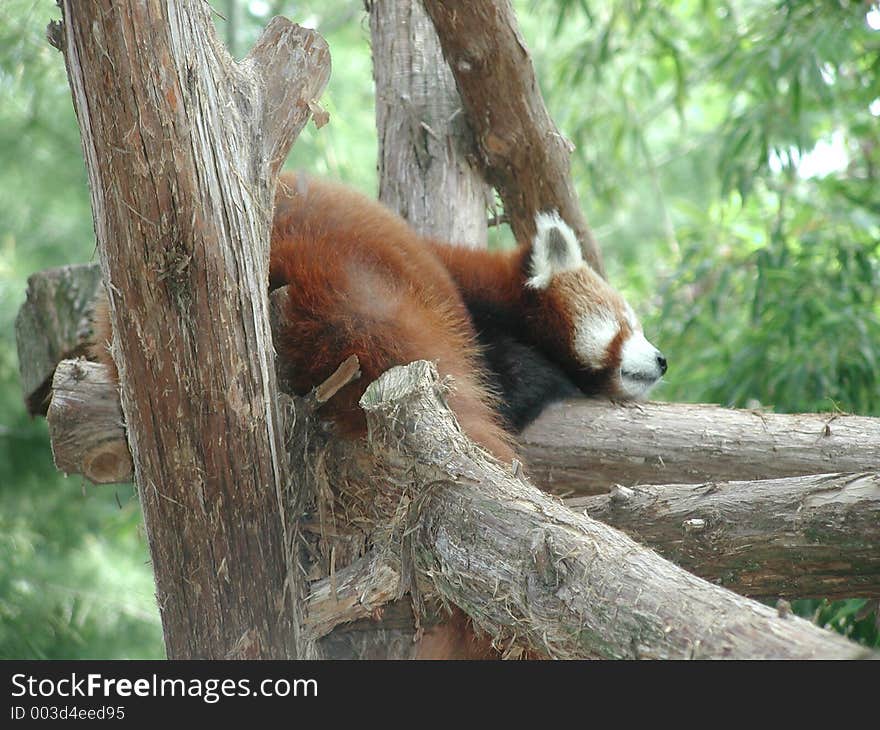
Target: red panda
x,y
515,329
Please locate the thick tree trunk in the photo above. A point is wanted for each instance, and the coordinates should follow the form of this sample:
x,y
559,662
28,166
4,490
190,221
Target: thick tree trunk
x,y
425,144
522,153
182,147
585,447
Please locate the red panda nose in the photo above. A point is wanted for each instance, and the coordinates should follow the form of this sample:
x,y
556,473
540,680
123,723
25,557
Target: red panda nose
x,y
661,361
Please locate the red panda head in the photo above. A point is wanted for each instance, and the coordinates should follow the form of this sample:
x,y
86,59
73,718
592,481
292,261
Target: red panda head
x,y
582,322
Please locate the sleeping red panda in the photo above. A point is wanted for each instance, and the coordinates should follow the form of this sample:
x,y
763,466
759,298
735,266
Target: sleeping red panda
x,y
515,329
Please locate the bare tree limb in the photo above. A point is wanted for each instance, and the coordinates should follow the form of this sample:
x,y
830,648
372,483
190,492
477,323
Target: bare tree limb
x,y
792,538
522,152
579,447
525,568
586,446
759,538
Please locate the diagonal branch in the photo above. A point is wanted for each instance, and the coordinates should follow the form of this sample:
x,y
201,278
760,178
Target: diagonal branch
x,y
525,568
523,154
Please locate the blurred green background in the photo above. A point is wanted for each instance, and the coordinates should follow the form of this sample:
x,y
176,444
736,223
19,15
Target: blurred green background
x,y
727,159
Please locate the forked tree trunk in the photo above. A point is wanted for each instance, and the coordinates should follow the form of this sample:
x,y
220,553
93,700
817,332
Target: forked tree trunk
x,y
182,148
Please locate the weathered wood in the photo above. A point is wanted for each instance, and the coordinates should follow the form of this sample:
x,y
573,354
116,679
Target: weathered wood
x,y
791,538
52,325
523,154
426,148
759,538
462,525
584,447
181,146
86,426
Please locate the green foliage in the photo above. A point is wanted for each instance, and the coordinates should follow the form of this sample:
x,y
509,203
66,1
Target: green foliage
x,y
728,158
726,154
856,618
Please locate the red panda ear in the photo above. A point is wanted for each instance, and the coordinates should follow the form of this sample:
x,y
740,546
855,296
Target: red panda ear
x,y
555,249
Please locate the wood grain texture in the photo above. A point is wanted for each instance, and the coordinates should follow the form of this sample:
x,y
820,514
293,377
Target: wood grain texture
x,y
52,324
427,169
798,537
522,153
584,447
560,583
792,537
86,426
182,145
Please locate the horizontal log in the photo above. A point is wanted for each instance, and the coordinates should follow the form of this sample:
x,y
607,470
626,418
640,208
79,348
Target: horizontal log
x,y
585,446
52,324
763,538
575,448
86,426
798,537
466,527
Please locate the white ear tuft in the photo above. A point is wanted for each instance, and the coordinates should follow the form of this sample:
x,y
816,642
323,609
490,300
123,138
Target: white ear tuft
x,y
555,249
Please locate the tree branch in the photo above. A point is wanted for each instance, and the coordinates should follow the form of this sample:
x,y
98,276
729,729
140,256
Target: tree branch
x,y
586,446
522,152
791,538
794,537
526,569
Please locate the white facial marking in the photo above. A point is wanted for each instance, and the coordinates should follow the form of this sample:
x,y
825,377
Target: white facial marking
x,y
555,249
639,366
592,336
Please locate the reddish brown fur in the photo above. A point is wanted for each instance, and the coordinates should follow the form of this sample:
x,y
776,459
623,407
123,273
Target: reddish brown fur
x,y
363,283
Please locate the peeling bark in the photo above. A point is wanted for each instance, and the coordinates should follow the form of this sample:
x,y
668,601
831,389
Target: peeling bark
x,y
522,153
791,537
527,570
812,536
426,148
182,147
